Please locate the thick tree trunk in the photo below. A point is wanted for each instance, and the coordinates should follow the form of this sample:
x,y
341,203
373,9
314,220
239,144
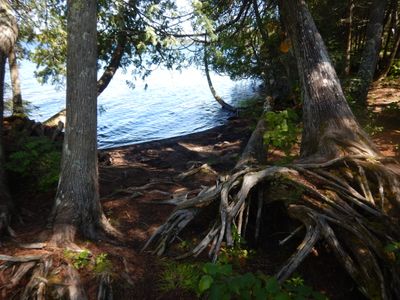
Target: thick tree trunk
x,y
349,22
330,129
17,108
371,50
8,37
6,204
77,206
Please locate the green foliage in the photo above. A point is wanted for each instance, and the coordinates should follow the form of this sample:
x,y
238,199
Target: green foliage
x,y
395,69
237,255
102,263
79,259
220,281
393,250
37,159
27,107
149,40
179,276
282,129
84,259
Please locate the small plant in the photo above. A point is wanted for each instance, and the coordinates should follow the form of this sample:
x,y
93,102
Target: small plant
x,y
394,71
238,254
282,129
102,264
84,259
393,250
79,259
179,276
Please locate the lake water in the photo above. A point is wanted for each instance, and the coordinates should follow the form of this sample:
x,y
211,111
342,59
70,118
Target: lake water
x,y
174,103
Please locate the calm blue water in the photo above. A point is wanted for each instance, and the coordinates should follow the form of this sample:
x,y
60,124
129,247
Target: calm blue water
x,y
175,103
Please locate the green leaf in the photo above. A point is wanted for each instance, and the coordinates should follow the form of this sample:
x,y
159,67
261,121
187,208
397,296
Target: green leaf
x,y
205,283
272,285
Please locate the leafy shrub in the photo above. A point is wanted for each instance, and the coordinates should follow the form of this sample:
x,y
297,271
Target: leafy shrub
x,y
79,259
84,259
37,159
282,129
219,281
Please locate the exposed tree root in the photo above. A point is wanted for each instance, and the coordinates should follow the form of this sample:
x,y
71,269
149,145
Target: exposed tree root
x,y
47,276
350,203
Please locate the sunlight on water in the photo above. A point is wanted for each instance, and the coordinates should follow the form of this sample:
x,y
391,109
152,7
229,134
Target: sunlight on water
x,y
174,103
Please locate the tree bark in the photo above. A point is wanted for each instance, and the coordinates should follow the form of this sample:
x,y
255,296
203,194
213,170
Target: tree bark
x,y
8,37
17,108
349,22
371,50
77,206
330,128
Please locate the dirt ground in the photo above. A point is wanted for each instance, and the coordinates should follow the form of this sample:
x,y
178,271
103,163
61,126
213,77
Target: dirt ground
x,y
134,179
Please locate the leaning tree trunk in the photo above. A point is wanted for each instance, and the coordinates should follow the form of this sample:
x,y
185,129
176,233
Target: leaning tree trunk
x,y
17,108
8,37
77,206
330,128
371,50
221,101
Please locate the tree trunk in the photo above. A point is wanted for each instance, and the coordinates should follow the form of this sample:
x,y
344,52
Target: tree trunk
x,y
390,59
6,204
389,55
77,206
221,101
8,37
114,64
349,22
330,129
17,108
371,50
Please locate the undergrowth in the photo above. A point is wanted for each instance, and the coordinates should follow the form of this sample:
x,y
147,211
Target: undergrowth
x,y
221,281
86,260
282,130
37,160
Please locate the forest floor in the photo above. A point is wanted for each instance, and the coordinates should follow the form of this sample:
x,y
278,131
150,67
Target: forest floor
x,y
133,177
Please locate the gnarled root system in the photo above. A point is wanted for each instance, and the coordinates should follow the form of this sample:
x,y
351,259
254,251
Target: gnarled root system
x,y
350,203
